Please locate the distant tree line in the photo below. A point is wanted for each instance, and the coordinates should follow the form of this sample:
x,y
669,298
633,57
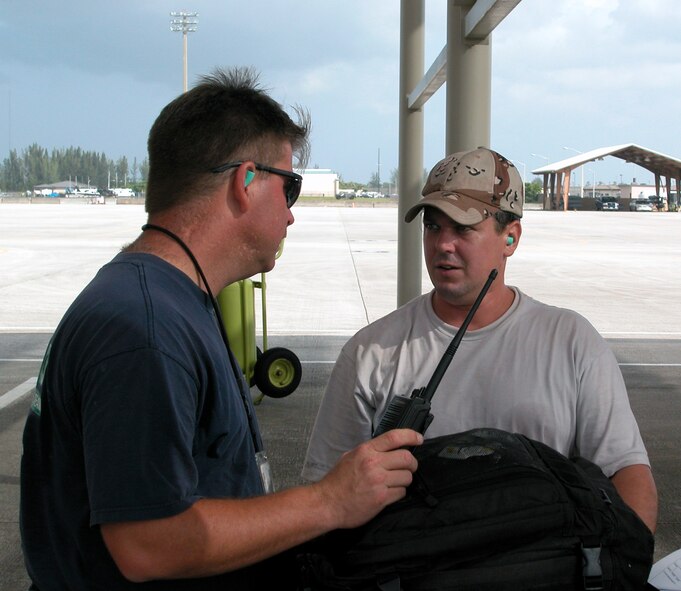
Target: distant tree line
x,y
533,189
37,166
375,183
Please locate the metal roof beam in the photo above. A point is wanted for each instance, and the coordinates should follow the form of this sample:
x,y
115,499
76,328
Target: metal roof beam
x,y
430,83
482,18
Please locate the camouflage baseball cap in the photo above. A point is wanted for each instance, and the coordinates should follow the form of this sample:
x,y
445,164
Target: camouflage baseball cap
x,y
471,186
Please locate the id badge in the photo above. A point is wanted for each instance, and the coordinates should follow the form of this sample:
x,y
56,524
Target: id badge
x,y
265,472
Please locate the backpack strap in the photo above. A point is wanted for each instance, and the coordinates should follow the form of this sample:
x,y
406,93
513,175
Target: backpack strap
x,y
591,569
593,556
388,582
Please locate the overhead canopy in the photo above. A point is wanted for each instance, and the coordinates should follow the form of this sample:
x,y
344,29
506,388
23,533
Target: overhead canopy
x,y
655,162
59,185
661,165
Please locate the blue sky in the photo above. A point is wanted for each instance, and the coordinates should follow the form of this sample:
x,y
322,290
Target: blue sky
x,y
577,73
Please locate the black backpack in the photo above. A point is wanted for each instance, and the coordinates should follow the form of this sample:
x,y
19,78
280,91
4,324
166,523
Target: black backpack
x,y
490,510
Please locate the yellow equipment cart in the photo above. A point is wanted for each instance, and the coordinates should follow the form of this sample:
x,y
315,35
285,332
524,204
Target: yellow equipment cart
x,y
275,372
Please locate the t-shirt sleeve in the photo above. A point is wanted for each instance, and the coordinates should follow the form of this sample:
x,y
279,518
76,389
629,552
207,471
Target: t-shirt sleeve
x,y
139,413
344,419
607,431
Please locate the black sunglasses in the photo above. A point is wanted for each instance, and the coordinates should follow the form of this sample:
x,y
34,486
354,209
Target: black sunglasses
x,y
292,181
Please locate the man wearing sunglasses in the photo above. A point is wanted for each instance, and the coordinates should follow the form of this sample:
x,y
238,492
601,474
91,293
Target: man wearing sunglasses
x,y
142,455
292,180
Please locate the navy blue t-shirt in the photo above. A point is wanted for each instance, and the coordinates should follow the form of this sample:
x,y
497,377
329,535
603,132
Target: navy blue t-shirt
x,y
137,415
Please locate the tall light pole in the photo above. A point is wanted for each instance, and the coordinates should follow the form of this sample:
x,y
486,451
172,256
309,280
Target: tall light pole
x,y
9,117
184,22
540,156
581,187
593,184
546,188
378,177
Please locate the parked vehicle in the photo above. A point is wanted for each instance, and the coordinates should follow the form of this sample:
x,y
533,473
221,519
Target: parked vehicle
x,y
640,204
125,192
574,203
607,203
659,203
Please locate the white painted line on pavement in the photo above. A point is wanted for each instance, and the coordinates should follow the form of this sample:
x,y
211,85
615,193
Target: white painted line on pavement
x,y
16,393
313,362
23,360
626,334
23,329
650,364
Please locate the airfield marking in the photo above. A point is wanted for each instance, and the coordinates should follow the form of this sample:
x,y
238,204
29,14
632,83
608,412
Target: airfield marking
x,y
16,393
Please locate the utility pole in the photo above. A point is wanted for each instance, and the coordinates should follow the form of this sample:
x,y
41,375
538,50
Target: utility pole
x,y
378,174
184,22
9,119
581,188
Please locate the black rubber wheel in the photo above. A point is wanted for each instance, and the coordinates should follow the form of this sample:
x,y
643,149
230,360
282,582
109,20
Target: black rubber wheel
x,y
277,372
258,355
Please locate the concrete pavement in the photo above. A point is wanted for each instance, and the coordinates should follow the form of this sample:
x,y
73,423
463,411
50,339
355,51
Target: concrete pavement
x,y
336,274
338,268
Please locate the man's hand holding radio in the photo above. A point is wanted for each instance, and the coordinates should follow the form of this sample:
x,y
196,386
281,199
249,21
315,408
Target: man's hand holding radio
x,y
370,477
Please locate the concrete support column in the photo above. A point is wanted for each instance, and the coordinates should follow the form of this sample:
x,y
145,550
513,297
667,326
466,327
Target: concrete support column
x,y
554,199
410,158
657,184
469,85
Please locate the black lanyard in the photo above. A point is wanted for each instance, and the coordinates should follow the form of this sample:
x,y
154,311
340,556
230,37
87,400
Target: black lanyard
x,y
237,371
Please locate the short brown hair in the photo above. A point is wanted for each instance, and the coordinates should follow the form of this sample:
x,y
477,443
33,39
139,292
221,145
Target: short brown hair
x,y
226,117
503,219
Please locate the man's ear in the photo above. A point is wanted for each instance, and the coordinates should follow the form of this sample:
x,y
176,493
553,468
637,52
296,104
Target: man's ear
x,y
241,184
512,234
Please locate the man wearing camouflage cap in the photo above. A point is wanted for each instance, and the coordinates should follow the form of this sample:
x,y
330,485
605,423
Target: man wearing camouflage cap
x,y
523,366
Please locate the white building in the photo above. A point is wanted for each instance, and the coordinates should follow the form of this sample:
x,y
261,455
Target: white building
x,y
642,191
319,182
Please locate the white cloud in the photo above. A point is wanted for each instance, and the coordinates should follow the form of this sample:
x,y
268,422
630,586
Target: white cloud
x,y
575,72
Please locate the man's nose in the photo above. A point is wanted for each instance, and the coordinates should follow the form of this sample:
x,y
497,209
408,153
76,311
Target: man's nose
x,y
446,240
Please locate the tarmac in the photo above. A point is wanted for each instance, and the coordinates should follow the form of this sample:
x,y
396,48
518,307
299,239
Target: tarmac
x,y
337,273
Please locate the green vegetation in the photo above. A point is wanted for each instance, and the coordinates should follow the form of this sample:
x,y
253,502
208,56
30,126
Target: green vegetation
x,y
386,187
315,199
36,166
534,191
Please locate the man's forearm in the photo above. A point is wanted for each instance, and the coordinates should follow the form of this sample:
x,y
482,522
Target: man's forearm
x,y
214,536
220,535
637,488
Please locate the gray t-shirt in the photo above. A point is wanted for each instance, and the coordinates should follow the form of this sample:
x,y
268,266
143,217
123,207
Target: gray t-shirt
x,y
538,370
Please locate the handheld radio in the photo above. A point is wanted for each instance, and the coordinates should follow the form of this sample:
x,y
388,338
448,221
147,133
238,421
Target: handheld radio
x,y
413,412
